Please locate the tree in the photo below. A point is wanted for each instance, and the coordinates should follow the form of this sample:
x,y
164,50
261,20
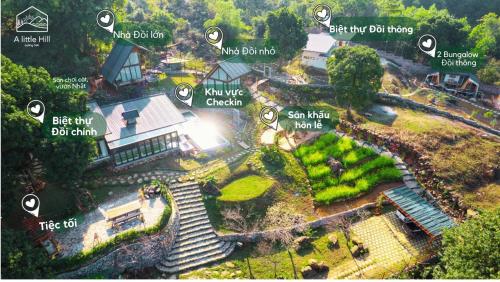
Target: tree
x,y
486,35
74,37
471,9
19,86
286,30
20,259
356,75
283,223
490,72
227,18
470,250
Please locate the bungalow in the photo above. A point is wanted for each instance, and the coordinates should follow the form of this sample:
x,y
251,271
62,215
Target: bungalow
x,y
226,75
319,47
456,83
123,65
148,128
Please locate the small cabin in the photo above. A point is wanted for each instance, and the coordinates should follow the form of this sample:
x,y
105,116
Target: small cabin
x,y
456,83
123,64
319,47
226,75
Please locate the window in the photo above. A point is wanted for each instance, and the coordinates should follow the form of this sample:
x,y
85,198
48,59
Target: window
x,y
146,148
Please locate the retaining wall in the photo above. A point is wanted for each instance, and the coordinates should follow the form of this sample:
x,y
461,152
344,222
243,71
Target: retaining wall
x,y
145,252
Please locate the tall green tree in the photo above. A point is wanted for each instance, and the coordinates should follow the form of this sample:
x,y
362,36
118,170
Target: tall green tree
x,y
486,35
490,73
286,29
22,136
470,250
20,259
74,35
356,74
227,18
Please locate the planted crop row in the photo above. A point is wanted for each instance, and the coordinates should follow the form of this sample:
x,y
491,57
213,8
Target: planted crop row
x,y
362,185
363,169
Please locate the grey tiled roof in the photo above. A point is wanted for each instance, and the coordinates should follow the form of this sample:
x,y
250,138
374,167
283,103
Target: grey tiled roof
x,y
321,43
235,67
157,116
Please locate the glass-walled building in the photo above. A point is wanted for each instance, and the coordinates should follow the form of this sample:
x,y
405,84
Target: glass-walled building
x,y
226,75
123,64
139,129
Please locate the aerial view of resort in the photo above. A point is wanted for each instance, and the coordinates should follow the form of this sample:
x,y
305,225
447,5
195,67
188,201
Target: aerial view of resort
x,y
250,139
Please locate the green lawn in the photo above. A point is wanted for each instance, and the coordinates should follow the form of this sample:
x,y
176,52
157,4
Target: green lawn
x,y
245,188
262,266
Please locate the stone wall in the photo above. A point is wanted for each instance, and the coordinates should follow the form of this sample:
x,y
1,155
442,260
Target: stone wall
x,y
400,101
145,252
259,235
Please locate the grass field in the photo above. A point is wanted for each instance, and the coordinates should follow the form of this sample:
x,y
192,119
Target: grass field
x,y
262,266
246,188
363,169
460,155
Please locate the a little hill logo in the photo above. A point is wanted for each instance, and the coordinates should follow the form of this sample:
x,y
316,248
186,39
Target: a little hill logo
x,y
32,20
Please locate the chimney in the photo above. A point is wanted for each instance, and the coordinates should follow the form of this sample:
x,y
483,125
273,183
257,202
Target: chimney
x,y
130,117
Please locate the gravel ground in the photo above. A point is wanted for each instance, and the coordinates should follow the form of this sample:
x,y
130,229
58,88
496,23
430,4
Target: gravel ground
x,y
82,237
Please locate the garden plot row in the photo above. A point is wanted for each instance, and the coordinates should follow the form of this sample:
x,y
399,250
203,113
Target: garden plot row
x,y
340,169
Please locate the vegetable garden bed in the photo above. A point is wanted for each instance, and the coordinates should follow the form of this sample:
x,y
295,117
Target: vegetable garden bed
x,y
361,169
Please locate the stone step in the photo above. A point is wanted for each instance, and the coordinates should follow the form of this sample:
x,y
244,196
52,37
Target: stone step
x,y
188,201
189,205
183,254
193,235
186,216
179,193
190,259
194,229
182,185
193,240
191,210
187,197
192,265
192,221
198,245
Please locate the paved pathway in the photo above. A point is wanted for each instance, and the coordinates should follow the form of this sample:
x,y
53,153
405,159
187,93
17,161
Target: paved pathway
x,y
196,243
94,229
388,246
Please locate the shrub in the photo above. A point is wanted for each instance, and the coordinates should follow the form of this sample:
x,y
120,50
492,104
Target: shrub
x,y
319,171
353,157
272,157
359,171
314,158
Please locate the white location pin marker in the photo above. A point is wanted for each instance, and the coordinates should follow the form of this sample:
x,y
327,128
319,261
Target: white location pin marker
x,y
36,109
31,204
427,43
323,14
269,117
106,20
213,35
184,93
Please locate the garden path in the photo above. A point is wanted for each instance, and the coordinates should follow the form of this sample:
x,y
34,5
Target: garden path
x,y
390,248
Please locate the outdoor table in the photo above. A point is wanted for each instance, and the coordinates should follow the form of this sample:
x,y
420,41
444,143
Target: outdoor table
x,y
124,213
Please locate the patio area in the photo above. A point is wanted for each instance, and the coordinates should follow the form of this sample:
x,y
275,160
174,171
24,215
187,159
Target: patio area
x,y
390,249
93,228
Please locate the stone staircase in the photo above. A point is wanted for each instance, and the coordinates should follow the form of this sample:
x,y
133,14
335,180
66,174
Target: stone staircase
x,y
196,243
